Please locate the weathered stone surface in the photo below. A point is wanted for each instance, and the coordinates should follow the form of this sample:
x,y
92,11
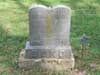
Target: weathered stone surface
x,y
45,63
49,28
47,52
49,43
61,25
37,23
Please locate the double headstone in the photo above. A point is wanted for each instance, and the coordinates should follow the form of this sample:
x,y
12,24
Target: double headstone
x,y
49,37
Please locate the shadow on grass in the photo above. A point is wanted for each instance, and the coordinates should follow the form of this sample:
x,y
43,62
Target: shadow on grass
x,y
10,46
44,2
56,2
11,40
21,5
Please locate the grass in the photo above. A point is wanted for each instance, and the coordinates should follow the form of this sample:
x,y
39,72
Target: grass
x,y
14,31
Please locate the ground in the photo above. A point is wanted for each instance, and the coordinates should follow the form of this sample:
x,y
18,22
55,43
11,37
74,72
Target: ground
x,y
14,33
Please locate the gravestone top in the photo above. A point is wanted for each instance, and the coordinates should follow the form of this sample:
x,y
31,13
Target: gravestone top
x,y
49,26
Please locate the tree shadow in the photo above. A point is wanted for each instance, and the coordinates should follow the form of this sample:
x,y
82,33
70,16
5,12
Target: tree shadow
x,y
47,3
21,5
10,44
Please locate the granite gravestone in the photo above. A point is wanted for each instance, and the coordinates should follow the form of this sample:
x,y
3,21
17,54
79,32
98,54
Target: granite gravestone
x,y
49,39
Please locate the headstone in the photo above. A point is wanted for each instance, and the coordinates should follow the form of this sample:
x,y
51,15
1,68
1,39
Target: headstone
x,y
49,39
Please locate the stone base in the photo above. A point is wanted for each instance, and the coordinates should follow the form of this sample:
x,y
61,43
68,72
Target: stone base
x,y
48,51
45,63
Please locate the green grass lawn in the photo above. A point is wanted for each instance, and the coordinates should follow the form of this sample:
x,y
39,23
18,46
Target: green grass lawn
x,y
14,32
